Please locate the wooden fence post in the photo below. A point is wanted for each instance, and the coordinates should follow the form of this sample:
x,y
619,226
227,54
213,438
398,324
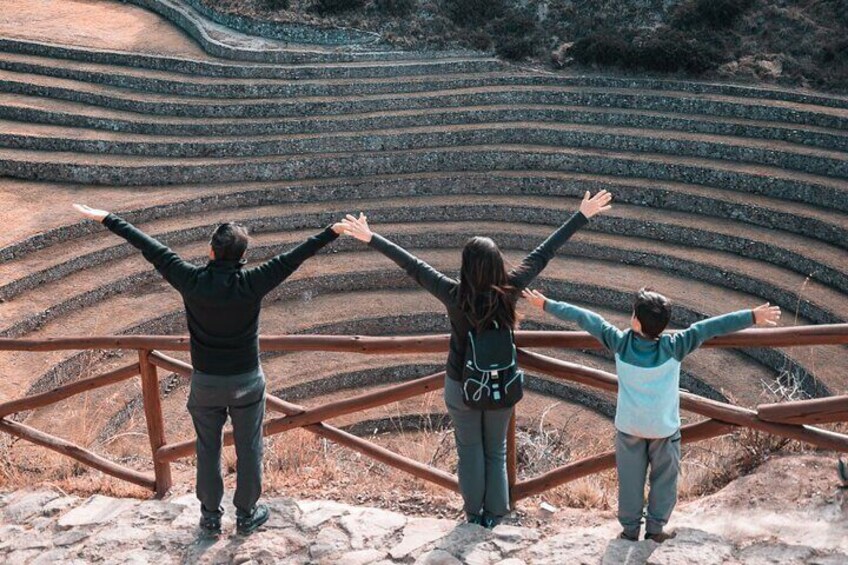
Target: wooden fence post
x,y
155,424
511,460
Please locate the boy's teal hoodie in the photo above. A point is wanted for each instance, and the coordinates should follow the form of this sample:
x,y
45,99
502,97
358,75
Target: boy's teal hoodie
x,y
649,369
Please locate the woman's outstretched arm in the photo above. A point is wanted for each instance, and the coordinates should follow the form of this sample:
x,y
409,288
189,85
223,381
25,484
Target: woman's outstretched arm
x,y
429,278
538,259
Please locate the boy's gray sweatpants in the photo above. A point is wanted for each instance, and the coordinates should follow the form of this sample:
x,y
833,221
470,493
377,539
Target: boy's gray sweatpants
x,y
633,455
211,399
481,446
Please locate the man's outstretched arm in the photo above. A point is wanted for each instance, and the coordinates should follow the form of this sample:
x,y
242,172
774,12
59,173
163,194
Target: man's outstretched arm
x,y
264,278
169,264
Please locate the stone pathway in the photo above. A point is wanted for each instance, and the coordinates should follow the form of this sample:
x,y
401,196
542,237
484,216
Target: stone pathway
x,y
44,526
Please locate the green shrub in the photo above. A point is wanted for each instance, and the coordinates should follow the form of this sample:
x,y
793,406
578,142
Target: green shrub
x,y
473,12
665,50
605,49
394,7
516,35
672,51
275,5
335,6
716,14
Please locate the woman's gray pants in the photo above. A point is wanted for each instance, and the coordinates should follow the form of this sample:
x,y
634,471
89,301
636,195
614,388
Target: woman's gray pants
x,y
481,446
632,457
211,399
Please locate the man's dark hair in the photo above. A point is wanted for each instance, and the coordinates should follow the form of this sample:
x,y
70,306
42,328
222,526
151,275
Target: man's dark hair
x,y
653,310
229,242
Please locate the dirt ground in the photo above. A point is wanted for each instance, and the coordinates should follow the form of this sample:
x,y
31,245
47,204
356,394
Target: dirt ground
x,y
93,23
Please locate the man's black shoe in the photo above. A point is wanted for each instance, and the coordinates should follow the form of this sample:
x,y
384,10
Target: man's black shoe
x,y
246,525
210,522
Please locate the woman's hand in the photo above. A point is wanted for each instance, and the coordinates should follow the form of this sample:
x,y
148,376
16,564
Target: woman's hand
x,y
766,315
596,204
357,227
91,213
535,298
338,228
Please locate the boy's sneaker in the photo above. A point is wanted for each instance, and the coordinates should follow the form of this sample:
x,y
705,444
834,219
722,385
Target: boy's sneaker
x,y
472,518
661,536
625,535
490,521
210,522
247,524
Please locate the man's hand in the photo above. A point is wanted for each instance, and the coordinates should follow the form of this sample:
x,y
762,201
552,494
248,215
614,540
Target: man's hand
x,y
357,227
597,204
91,213
338,228
535,298
766,315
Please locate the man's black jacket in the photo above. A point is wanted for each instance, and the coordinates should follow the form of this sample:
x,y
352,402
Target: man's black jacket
x,y
222,299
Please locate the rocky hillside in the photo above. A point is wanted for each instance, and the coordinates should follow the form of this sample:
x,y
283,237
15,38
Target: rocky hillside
x,y
789,512
794,42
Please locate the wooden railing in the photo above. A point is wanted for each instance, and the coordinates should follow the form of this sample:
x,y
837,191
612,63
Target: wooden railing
x,y
790,419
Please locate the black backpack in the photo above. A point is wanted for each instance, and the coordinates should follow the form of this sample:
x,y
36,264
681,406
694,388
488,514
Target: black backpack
x,y
491,378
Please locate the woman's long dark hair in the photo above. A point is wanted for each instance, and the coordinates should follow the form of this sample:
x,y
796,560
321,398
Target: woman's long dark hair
x,y
485,295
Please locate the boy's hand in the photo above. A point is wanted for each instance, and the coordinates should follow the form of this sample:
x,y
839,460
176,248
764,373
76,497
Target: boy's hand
x,y
591,206
535,298
766,315
91,213
357,227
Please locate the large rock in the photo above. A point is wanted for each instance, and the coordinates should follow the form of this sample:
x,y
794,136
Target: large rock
x,y
420,532
370,527
692,546
623,552
576,547
25,505
96,510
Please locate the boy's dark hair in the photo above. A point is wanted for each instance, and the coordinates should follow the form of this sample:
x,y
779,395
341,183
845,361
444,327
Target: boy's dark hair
x,y
229,242
653,310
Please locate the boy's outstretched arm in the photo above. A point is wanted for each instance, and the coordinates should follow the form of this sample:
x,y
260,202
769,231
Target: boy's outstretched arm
x,y
690,339
169,264
596,325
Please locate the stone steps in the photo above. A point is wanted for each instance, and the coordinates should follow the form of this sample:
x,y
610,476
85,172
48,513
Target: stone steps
x,y
223,68
51,293
36,110
138,171
180,204
664,245
365,101
48,138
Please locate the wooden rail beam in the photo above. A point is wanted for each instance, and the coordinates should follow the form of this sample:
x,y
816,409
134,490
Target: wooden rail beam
x,y
155,424
78,453
604,461
170,364
816,411
335,409
824,334
62,392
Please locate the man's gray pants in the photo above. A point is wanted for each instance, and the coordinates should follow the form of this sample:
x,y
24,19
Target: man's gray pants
x,y
481,446
211,399
633,455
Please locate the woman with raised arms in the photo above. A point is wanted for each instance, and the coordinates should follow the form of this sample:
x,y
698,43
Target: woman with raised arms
x,y
484,297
